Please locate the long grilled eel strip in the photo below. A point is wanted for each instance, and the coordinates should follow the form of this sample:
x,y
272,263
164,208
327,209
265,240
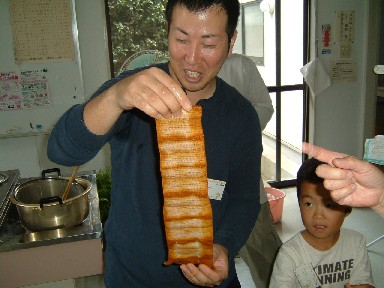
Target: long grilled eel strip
x,y
187,210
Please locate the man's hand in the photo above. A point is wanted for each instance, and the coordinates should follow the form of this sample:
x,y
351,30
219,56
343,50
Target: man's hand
x,y
154,92
352,182
202,275
151,90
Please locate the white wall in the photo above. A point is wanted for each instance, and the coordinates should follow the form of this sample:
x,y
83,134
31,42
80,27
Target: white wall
x,y
28,154
344,113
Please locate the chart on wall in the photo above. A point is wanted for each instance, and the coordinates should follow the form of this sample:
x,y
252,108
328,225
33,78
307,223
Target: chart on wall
x,y
40,67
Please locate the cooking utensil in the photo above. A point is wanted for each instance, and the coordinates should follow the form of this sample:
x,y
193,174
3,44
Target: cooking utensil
x,y
66,191
40,206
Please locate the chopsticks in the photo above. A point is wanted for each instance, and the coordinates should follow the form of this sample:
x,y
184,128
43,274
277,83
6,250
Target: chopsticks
x,y
70,181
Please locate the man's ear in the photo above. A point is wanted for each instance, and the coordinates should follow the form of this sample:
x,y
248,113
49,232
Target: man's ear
x,y
232,43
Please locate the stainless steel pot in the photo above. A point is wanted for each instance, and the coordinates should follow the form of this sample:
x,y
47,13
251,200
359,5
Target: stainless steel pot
x,y
41,208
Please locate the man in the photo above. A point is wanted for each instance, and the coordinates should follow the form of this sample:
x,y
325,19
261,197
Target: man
x,y
122,112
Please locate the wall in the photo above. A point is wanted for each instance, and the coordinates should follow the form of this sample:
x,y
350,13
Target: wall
x,y
28,154
344,113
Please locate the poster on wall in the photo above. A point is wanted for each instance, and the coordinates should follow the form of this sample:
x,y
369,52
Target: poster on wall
x,y
42,31
25,90
326,38
343,71
40,84
346,20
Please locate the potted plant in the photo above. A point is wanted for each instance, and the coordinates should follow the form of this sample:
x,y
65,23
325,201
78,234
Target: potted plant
x,y
104,184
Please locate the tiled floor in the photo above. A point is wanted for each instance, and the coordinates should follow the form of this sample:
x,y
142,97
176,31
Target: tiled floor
x,y
363,220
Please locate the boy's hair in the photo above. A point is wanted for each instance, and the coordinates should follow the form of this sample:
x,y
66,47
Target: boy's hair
x,y
231,7
307,172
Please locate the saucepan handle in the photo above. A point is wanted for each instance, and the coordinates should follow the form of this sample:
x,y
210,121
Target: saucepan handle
x,y
48,200
44,172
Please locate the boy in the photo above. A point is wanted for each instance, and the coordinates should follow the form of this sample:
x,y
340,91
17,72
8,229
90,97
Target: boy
x,y
322,255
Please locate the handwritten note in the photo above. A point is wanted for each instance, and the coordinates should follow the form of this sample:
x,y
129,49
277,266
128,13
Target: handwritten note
x,y
42,30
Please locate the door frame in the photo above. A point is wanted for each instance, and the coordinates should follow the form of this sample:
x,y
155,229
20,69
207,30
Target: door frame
x,y
373,39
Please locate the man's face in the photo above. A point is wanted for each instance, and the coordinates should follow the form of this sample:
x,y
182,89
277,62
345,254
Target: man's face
x,y
198,47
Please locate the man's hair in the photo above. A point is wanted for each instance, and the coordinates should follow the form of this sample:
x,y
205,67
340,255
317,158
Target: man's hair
x,y
307,172
231,7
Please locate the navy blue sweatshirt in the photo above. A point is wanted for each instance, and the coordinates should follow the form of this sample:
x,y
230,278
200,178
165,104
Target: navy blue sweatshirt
x,y
135,237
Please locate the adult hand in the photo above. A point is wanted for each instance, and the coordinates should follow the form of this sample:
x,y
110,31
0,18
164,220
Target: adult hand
x,y
202,275
154,92
151,90
352,182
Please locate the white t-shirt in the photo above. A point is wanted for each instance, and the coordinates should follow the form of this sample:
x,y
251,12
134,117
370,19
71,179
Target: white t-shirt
x,y
346,262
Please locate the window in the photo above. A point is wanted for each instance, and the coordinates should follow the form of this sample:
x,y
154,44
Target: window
x,y
284,46
250,37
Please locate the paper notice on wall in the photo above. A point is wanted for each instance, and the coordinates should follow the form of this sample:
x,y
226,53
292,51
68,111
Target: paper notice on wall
x,y
25,90
346,27
42,30
343,71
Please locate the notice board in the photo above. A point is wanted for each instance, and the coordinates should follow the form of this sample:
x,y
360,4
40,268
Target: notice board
x,y
40,67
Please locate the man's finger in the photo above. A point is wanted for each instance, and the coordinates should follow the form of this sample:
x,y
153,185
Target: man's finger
x,y
320,153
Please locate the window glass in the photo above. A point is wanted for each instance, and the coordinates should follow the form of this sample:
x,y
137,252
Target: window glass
x,y
291,133
136,25
254,32
291,42
250,39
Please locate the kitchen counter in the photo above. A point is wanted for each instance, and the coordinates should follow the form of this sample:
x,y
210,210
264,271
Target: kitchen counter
x,y
28,258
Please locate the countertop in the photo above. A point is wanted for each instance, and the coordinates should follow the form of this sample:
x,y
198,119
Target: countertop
x,y
78,252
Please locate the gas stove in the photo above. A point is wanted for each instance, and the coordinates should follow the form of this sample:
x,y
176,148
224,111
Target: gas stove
x,y
14,236
8,182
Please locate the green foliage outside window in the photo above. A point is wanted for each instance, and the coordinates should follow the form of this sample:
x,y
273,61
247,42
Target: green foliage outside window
x,y
136,25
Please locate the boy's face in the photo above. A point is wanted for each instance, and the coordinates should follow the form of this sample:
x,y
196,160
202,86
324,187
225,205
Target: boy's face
x,y
321,216
198,47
